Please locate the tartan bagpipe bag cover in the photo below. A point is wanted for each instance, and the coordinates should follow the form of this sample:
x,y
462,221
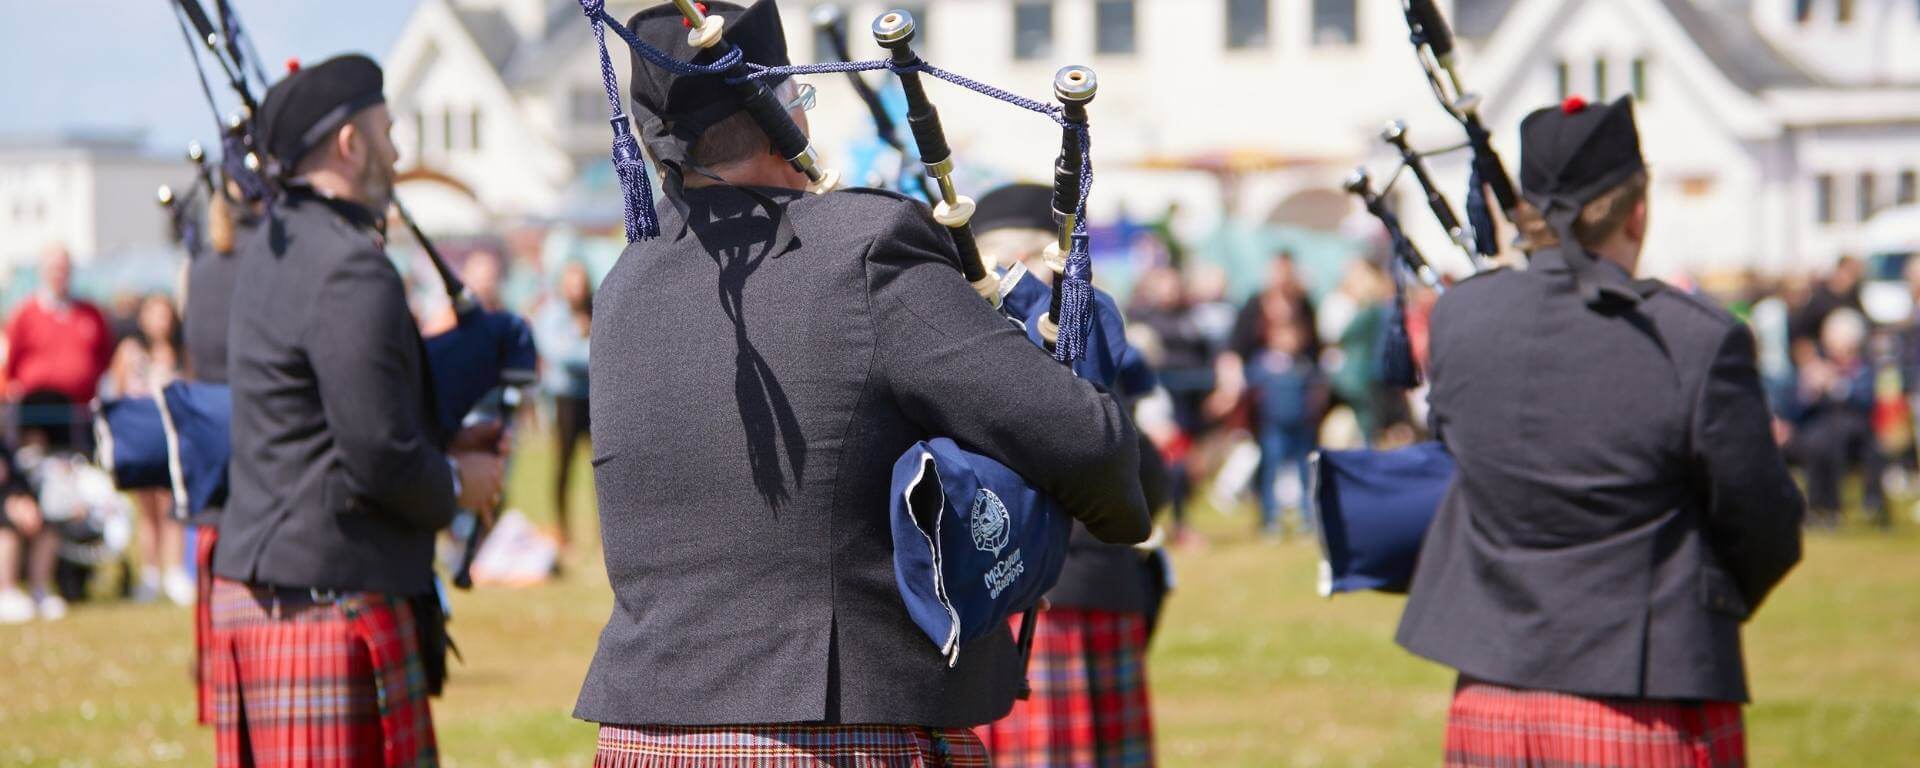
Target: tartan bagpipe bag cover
x,y
1374,508
973,542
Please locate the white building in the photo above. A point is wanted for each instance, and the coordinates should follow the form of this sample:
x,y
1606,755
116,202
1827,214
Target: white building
x,y
94,195
1772,126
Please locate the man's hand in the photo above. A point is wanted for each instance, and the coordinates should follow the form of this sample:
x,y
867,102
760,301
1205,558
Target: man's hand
x,y
485,437
480,478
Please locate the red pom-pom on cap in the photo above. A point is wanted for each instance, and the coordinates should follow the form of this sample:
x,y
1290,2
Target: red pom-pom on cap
x,y
688,23
293,65
1573,104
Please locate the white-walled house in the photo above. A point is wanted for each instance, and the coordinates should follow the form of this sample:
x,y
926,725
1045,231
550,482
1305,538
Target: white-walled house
x,y
1772,126
95,195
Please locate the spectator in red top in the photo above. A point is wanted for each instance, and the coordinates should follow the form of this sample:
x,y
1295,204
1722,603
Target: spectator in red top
x,y
54,342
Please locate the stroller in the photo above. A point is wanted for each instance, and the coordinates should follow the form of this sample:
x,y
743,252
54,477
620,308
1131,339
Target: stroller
x,y
78,500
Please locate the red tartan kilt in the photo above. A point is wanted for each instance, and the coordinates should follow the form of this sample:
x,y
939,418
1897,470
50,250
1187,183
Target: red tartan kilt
x,y
1089,707
1493,725
204,539
333,682
787,746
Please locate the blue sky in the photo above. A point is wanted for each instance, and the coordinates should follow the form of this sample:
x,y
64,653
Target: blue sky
x,y
116,65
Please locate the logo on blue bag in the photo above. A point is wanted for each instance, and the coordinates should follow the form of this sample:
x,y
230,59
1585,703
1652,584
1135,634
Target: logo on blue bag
x,y
991,527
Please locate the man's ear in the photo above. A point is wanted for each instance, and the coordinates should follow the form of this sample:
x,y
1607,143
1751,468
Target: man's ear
x,y
1636,226
346,143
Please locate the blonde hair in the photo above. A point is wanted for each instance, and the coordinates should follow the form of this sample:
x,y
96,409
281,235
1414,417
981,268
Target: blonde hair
x,y
220,223
1598,219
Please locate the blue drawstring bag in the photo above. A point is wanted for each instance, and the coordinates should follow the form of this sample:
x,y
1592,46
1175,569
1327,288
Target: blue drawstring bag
x,y
485,351
131,443
1109,361
973,542
201,440
1374,508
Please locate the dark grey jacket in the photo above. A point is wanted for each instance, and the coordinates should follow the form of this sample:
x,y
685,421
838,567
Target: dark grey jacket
x,y
1620,506
338,481
1099,576
748,409
203,325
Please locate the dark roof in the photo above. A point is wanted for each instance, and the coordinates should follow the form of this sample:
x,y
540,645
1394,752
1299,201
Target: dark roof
x,y
491,30
539,59
1477,19
1725,33
1722,28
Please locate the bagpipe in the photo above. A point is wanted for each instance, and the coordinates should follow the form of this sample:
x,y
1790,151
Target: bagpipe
x,y
829,21
179,439
974,542
1374,507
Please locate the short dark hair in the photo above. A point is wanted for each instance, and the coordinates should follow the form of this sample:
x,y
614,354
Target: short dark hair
x,y
737,138
734,139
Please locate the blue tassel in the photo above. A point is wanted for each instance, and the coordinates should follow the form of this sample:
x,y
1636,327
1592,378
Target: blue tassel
x,y
1397,368
1486,239
1076,298
636,191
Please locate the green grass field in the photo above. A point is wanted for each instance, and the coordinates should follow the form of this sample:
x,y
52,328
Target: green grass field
x,y
1249,669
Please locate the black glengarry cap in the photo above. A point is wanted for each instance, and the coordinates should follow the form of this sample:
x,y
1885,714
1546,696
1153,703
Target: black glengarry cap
x,y
1015,206
306,106
1573,152
694,102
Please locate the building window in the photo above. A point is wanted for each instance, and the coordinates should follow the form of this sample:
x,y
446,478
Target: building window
x,y
1335,22
1823,198
1802,10
1113,26
1600,79
473,130
1563,79
1639,79
1843,11
1032,30
446,129
1907,190
1247,23
1863,202
419,135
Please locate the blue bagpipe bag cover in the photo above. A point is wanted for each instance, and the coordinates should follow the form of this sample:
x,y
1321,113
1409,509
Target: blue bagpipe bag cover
x,y
131,443
201,415
471,359
1374,508
973,542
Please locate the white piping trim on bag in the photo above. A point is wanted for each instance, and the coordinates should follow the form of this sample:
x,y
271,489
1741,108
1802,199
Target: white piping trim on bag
x,y
174,472
951,648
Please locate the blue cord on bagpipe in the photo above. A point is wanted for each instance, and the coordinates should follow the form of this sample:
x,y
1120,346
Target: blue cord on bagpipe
x,y
643,222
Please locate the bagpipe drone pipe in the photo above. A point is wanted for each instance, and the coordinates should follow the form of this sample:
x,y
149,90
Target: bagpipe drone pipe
x,y
1374,507
830,23
179,440
974,542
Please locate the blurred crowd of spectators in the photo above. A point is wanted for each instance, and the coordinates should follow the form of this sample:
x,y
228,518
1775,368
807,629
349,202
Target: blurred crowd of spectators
x,y
1250,389
1253,388
63,520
